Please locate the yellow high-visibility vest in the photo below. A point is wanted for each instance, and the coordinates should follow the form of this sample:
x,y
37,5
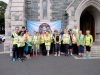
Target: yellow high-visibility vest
x,y
21,41
29,40
74,39
15,35
35,39
66,38
76,31
88,40
42,38
47,40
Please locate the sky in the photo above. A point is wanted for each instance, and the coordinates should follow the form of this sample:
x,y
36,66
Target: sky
x,y
5,1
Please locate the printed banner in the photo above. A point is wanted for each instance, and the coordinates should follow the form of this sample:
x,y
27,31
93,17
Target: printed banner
x,y
43,26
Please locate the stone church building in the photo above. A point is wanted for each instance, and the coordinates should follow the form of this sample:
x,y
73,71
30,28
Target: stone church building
x,y
85,13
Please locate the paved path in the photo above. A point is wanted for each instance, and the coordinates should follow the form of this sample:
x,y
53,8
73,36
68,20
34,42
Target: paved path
x,y
1,47
49,66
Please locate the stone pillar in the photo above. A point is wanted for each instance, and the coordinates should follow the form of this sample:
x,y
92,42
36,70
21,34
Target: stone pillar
x,y
14,17
71,17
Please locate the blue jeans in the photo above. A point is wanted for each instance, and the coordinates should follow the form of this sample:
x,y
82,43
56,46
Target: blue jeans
x,y
80,49
57,47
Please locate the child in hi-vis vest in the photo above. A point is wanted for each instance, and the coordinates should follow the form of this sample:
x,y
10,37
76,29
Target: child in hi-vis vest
x,y
88,43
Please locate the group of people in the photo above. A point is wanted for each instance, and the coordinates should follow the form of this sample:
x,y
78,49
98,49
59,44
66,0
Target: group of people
x,y
67,41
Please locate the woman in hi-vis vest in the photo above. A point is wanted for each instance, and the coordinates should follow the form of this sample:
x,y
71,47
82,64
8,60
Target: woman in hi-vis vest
x,y
74,43
42,43
57,40
21,43
66,40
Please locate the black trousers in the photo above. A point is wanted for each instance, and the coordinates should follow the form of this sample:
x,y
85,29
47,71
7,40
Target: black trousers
x,y
21,52
15,51
66,48
62,48
52,48
43,49
75,49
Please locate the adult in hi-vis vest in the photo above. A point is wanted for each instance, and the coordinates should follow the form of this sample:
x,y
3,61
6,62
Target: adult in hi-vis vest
x,y
88,43
74,44
75,30
21,43
47,39
14,41
80,44
66,40
42,44
57,40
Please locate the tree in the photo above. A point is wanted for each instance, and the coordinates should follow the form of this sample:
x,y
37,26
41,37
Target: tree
x,y
3,6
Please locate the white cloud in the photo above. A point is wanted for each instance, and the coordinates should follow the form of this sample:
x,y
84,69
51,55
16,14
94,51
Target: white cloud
x,y
5,1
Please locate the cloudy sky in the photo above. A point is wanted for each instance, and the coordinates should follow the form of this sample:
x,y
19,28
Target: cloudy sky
x,y
5,1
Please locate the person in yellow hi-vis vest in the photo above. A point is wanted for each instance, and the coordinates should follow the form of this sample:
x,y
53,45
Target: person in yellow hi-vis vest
x,y
47,42
35,42
66,41
14,41
88,43
42,43
57,39
75,30
80,44
29,43
74,44
51,36
21,44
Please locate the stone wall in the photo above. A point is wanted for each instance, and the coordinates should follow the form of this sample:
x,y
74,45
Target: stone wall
x,y
14,17
32,10
57,7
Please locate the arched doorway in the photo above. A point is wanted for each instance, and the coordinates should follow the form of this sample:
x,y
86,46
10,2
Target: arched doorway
x,y
87,22
92,8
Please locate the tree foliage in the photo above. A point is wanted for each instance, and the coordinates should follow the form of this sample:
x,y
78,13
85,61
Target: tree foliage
x,y
3,6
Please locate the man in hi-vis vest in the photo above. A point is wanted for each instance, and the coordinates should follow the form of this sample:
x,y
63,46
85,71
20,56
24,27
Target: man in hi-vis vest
x,y
14,41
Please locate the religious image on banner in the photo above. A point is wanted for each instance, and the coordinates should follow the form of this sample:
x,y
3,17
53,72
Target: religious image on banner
x,y
43,26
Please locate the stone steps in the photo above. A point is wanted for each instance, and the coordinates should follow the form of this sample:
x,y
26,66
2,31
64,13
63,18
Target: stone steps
x,y
95,51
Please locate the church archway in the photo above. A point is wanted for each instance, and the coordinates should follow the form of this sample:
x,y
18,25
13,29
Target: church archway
x,y
87,22
92,8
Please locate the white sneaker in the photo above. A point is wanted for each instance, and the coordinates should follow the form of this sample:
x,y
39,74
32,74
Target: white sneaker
x,y
71,54
48,54
59,55
55,55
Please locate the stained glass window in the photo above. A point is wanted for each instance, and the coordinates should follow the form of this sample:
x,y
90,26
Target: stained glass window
x,y
44,3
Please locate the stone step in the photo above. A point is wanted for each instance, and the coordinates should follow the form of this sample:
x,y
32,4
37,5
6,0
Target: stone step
x,y
97,42
98,55
95,50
